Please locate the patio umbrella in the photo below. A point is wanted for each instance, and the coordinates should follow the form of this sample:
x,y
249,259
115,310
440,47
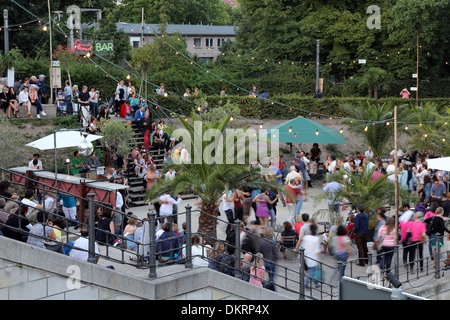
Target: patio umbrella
x,y
302,130
439,163
64,139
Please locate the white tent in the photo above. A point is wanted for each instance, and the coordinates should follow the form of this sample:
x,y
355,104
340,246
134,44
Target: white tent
x,y
64,139
439,164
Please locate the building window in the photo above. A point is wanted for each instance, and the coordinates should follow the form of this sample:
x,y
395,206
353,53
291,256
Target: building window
x,y
209,43
136,44
197,42
205,59
220,42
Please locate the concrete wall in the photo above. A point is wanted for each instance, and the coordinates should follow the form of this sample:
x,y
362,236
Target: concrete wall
x,y
30,273
49,109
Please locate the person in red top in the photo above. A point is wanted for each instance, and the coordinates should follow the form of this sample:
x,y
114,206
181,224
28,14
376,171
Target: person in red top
x,y
349,228
298,224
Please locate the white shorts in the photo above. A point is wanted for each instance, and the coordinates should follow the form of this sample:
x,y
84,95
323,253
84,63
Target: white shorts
x,y
70,213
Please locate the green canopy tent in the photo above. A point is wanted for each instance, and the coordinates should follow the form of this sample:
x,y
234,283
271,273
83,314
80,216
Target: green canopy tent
x,y
302,130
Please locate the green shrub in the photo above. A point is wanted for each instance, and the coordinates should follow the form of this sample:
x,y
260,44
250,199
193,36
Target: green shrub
x,y
281,109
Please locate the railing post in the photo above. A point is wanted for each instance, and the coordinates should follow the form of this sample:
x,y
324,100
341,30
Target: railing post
x,y
340,266
152,246
437,258
397,262
188,263
237,242
302,274
369,257
91,257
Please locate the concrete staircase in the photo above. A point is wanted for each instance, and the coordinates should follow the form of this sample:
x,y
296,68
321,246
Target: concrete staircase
x,y
137,184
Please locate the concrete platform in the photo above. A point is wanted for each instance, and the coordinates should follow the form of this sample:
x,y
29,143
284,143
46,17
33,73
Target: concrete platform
x,y
49,109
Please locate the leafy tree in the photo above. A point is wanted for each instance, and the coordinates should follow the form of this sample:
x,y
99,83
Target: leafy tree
x,y
11,59
117,134
375,79
359,189
374,122
209,179
429,131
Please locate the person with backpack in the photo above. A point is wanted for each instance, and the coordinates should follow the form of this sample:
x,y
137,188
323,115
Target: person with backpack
x,y
435,231
226,263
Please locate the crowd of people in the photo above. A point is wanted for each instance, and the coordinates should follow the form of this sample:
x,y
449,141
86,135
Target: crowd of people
x,y
32,92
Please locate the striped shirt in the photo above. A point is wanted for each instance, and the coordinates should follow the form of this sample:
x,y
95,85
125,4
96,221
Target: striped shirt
x,y
389,239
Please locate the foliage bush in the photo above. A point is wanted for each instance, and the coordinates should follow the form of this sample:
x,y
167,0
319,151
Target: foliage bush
x,y
301,106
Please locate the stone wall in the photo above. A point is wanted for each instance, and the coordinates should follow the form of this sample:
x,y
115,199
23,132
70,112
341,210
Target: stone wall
x,y
30,273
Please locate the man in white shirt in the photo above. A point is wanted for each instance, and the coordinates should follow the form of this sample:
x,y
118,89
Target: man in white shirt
x,y
400,153
25,99
369,153
421,173
35,156
170,175
167,202
228,206
82,243
391,167
292,175
28,202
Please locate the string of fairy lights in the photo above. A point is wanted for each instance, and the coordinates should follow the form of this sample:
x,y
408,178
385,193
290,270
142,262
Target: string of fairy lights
x,y
364,123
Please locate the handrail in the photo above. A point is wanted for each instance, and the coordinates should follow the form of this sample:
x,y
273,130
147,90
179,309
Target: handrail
x,y
285,278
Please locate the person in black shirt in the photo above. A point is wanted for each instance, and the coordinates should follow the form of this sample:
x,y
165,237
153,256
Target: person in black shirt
x,y
444,203
4,99
83,100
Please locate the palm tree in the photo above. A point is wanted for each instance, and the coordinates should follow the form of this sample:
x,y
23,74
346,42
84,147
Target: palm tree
x,y
375,79
428,127
374,122
359,189
209,179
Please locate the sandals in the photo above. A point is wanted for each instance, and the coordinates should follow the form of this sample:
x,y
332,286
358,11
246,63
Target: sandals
x,y
29,115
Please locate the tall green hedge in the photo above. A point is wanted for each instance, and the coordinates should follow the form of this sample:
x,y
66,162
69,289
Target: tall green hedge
x,y
281,109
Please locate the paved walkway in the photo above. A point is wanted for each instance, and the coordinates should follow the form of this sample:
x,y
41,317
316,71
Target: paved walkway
x,y
289,268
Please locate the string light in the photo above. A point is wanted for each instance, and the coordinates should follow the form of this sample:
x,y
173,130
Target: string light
x,y
341,131
406,128
290,129
295,135
44,28
366,128
317,132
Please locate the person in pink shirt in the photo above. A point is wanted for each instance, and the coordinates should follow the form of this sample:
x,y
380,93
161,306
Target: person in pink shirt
x,y
387,239
405,93
417,231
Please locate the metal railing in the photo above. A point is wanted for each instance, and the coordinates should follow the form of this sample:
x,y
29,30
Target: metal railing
x,y
280,277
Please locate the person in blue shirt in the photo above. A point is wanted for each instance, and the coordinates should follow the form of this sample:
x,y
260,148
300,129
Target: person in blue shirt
x,y
139,118
69,207
360,229
265,95
253,92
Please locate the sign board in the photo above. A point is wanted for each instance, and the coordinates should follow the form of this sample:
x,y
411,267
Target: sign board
x,y
82,47
56,77
362,61
104,47
56,64
414,75
353,289
413,88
